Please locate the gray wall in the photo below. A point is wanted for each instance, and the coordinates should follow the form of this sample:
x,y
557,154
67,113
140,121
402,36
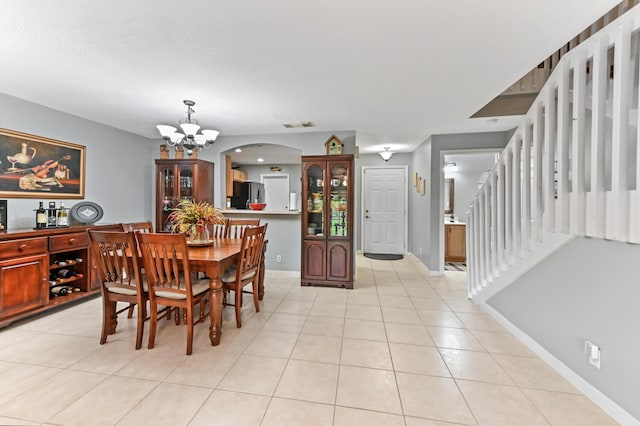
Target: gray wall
x,y
589,290
419,212
119,165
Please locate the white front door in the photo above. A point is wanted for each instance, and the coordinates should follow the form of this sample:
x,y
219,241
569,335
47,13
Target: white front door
x,y
384,209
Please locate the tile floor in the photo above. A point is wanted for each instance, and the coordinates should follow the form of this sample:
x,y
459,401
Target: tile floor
x,y
401,348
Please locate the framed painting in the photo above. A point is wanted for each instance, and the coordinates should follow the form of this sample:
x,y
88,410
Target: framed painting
x,y
38,167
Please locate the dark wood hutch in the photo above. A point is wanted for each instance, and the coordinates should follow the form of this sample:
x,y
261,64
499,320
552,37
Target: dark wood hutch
x,y
178,180
327,220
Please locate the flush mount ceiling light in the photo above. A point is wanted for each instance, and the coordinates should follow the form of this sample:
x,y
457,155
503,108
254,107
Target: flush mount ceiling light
x,y
386,154
190,139
449,168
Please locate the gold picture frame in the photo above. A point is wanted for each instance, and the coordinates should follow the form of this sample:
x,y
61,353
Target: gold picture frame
x,y
40,167
414,178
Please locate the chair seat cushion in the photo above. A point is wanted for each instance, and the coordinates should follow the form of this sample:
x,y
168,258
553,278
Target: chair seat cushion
x,y
197,287
130,290
230,275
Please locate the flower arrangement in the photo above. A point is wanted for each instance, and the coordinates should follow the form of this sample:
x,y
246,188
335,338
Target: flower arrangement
x,y
193,218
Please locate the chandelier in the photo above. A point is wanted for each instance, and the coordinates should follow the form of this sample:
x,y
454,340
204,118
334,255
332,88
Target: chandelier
x,y
190,139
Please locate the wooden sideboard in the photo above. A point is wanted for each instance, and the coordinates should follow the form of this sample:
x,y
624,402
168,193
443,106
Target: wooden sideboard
x,y
28,257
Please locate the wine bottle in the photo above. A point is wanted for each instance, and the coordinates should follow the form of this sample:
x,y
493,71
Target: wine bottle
x,y
41,217
63,216
58,291
67,273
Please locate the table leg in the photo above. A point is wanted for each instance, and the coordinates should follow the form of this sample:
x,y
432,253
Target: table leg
x,y
215,310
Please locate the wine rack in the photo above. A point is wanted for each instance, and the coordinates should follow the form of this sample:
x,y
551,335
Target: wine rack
x,y
67,270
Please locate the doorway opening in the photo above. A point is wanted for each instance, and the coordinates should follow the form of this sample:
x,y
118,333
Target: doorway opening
x,y
463,173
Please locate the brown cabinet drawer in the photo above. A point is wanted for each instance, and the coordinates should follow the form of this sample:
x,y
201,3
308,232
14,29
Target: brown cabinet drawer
x,y
69,241
23,247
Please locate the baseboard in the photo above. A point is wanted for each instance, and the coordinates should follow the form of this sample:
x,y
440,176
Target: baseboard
x,y
421,265
609,406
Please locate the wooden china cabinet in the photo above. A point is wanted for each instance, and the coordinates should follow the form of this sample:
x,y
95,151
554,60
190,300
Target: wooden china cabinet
x,y
327,220
177,180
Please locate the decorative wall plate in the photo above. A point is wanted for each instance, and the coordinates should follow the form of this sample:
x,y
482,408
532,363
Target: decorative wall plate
x,y
86,212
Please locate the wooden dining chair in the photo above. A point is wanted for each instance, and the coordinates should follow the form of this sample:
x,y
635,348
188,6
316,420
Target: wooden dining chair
x,y
166,264
121,279
236,227
246,270
219,230
137,227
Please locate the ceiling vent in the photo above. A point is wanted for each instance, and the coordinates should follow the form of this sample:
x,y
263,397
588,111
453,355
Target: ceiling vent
x,y
298,124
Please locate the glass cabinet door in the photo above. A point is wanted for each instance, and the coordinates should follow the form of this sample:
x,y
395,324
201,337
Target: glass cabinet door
x,y
186,183
315,200
167,193
339,195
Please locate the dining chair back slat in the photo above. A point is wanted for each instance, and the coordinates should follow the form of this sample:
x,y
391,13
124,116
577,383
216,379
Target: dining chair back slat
x,y
219,230
236,227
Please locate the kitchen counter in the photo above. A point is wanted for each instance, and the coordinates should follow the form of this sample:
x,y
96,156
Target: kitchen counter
x,y
261,212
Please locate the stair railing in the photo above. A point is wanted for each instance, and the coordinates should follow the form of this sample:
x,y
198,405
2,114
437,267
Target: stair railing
x,y
571,167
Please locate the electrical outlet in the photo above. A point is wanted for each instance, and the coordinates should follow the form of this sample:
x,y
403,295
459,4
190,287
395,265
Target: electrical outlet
x,y
279,258
593,352
420,250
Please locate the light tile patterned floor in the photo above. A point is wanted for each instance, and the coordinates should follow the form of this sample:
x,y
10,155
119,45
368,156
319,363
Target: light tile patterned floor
x,y
402,348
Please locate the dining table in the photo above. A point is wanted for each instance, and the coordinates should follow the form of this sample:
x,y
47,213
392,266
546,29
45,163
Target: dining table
x,y
213,259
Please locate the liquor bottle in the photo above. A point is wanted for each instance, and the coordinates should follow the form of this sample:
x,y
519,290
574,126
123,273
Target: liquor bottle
x,y
52,220
63,216
41,217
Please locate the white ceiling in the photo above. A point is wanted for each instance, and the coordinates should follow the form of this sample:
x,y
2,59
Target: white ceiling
x,y
271,154
393,71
